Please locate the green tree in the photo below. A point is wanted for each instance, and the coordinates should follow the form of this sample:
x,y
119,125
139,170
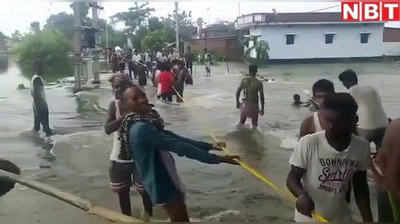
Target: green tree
x,y
48,49
35,26
62,22
154,41
3,38
16,36
134,17
186,27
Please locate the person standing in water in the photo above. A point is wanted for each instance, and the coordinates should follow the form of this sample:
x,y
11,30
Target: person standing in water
x,y
166,80
150,145
181,75
40,107
325,163
371,126
253,91
189,59
207,62
122,169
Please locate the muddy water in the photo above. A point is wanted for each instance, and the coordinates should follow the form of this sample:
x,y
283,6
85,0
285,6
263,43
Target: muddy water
x,y
221,193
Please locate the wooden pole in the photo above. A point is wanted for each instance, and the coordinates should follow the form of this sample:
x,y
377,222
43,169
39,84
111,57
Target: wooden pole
x,y
71,199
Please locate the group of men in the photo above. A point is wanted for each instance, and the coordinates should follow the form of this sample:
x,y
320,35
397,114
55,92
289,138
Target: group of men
x,y
330,161
333,155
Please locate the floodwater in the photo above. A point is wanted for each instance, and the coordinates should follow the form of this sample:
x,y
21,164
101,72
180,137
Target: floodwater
x,y
214,192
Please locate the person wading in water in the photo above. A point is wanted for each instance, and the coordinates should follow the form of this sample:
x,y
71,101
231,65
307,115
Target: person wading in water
x,y
149,144
122,169
253,91
40,107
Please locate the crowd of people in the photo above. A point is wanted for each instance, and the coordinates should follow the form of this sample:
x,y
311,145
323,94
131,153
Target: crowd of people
x,y
168,72
333,155
330,162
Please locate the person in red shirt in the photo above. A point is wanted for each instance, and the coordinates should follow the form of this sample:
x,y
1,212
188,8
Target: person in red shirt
x,y
166,80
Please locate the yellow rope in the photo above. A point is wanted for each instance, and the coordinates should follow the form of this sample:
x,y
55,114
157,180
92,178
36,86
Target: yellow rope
x,y
257,174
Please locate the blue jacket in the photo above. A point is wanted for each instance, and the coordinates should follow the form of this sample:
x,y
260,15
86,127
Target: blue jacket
x,y
146,141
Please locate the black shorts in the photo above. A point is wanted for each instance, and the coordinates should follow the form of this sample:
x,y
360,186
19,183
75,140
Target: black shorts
x,y
123,175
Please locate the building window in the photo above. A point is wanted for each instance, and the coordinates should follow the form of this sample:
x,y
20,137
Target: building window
x,y
329,38
290,39
364,38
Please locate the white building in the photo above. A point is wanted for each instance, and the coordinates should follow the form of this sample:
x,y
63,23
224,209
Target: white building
x,y
313,35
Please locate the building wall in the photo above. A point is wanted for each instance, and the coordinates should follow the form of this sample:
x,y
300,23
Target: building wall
x,y
310,40
391,48
222,47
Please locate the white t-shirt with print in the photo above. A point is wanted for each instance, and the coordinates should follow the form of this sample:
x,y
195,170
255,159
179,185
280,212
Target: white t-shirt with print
x,y
328,174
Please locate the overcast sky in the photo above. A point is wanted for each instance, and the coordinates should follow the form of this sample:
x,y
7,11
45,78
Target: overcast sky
x,y
18,14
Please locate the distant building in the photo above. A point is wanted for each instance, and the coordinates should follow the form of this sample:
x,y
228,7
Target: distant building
x,y
391,41
318,35
220,39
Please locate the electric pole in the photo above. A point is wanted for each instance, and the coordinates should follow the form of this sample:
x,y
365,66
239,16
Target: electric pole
x,y
177,28
95,18
77,46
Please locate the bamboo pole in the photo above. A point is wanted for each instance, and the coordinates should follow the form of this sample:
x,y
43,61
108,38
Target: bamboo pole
x,y
71,199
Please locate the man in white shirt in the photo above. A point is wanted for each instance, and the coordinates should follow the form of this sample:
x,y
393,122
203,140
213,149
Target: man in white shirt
x,y
324,164
371,126
372,117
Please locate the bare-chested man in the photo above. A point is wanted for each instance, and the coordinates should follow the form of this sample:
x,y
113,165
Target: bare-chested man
x,y
314,123
253,91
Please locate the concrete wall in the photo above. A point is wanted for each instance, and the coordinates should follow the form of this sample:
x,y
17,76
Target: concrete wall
x,y
391,48
310,40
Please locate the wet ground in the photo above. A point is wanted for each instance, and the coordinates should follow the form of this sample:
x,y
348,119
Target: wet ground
x,y
217,193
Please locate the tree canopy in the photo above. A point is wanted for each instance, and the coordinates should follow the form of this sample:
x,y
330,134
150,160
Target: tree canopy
x,y
47,49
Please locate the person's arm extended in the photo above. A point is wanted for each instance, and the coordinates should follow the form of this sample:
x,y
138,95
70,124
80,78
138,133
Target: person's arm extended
x,y
306,127
201,145
361,193
261,92
147,137
112,124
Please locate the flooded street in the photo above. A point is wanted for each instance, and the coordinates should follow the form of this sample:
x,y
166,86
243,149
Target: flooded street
x,y
216,193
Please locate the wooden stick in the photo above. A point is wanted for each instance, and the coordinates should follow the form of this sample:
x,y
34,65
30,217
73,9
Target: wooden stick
x,y
71,199
179,95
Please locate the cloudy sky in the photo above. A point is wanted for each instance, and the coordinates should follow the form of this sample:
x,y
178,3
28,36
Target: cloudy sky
x,y
18,14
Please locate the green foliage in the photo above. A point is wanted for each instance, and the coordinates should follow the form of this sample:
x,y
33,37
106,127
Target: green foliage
x,y
154,41
3,39
16,36
49,49
134,17
63,22
35,26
